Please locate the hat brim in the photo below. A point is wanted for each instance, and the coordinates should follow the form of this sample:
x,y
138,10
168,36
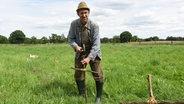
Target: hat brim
x,y
82,9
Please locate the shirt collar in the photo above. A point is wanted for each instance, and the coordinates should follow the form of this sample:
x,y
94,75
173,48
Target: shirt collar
x,y
87,25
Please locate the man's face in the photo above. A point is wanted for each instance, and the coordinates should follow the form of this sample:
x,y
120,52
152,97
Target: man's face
x,y
83,14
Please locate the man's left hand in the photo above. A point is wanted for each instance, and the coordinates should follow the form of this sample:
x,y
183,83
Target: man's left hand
x,y
85,61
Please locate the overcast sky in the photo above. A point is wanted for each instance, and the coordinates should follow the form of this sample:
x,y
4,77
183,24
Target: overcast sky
x,y
144,18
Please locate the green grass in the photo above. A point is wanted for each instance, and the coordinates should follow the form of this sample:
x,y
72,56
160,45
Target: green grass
x,y
49,79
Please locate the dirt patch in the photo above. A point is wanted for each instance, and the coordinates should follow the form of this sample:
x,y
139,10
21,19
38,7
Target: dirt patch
x,y
159,102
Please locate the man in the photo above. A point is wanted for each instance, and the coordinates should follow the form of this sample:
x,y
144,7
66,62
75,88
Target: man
x,y
85,40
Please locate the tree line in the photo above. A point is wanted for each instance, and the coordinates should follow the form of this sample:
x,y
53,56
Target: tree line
x,y
18,37
126,36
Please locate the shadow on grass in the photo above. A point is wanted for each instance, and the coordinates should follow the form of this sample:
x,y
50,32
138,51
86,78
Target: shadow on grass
x,y
56,89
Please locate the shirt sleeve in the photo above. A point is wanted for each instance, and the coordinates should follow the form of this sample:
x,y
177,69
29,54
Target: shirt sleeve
x,y
71,36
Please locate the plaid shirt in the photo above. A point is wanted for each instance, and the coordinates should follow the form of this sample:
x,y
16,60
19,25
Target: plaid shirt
x,y
74,38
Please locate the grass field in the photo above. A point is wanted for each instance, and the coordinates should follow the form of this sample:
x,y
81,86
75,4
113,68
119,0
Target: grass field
x,y
48,79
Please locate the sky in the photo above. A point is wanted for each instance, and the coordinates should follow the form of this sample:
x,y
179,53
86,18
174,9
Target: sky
x,y
143,18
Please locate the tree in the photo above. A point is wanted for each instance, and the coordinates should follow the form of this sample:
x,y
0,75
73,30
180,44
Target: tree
x,y
104,40
148,39
17,37
175,38
53,38
57,38
34,40
27,41
125,36
116,39
44,40
134,38
3,40
62,38
155,38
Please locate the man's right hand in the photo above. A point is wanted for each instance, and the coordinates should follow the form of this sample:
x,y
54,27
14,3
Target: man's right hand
x,y
78,49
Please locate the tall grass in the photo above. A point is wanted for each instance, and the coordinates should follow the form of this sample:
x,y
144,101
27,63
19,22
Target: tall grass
x,y
48,79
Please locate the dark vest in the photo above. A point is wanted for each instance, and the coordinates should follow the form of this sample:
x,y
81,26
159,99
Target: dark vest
x,y
85,37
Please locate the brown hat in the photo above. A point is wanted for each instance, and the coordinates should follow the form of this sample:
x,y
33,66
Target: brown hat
x,y
82,5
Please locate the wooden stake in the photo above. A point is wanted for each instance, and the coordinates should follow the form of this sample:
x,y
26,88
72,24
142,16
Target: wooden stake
x,y
151,99
86,97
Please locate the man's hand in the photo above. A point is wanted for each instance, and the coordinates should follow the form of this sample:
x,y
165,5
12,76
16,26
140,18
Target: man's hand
x,y
78,49
85,61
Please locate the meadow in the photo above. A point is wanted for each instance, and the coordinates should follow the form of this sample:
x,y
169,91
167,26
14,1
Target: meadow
x,y
48,79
